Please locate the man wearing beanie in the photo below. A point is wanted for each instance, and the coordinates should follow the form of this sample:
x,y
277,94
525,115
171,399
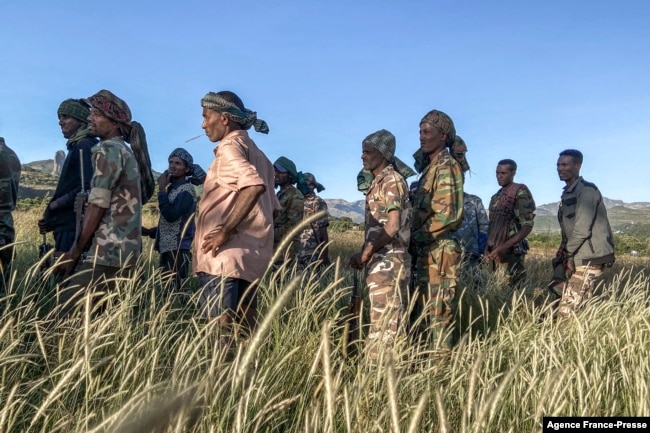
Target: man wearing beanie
x,y
59,216
292,202
387,231
112,220
234,228
437,213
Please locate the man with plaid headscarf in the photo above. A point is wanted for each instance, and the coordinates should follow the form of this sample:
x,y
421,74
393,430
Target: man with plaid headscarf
x,y
59,216
113,216
385,250
437,213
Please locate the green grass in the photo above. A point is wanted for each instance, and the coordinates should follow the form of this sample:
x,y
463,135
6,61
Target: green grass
x,y
150,362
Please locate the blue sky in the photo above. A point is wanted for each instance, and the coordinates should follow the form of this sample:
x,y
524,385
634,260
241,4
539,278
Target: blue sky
x,y
521,80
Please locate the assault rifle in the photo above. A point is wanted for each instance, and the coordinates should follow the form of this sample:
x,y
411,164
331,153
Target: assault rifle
x,y
353,315
81,199
43,249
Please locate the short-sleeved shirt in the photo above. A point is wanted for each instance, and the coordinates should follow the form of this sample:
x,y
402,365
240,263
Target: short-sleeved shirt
x,y
438,201
238,164
389,192
115,186
9,179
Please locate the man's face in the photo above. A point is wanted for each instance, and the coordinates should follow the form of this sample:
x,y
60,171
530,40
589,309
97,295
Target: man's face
x,y
371,157
567,168
69,125
177,167
505,175
214,124
282,179
100,125
431,139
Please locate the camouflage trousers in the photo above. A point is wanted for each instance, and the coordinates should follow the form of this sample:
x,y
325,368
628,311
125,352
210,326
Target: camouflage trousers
x,y
579,289
437,269
509,269
387,280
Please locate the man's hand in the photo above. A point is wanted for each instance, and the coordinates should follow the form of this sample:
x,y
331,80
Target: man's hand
x,y
42,226
213,240
496,253
569,268
67,264
559,258
355,261
163,181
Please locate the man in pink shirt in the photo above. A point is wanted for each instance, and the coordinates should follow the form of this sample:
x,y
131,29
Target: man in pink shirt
x,y
234,227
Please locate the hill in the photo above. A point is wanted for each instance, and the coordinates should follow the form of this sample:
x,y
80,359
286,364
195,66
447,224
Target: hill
x,y
37,181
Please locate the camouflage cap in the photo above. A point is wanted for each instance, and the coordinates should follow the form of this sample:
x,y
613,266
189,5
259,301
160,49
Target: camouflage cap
x,y
443,122
458,151
310,178
110,106
74,108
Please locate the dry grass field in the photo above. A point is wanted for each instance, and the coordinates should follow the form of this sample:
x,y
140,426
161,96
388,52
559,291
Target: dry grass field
x,y
150,363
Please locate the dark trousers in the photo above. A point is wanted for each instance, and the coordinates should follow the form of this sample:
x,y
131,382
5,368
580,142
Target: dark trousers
x,y
97,279
178,263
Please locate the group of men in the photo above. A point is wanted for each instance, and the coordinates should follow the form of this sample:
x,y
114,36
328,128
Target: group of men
x,y
241,221
434,228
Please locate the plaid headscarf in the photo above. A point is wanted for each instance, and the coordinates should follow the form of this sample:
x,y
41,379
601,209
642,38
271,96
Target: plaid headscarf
x,y
74,108
384,142
246,118
133,133
443,122
458,151
110,106
196,175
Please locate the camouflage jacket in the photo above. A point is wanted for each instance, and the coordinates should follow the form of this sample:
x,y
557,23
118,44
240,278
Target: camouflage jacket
x,y
438,201
308,240
473,233
293,208
388,192
9,179
115,186
523,212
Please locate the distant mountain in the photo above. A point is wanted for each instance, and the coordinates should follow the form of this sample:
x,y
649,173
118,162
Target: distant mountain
x,y
37,181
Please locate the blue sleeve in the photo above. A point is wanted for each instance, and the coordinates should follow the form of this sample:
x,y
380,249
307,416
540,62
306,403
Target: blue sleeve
x,y
181,206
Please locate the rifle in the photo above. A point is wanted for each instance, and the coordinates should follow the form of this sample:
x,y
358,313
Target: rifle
x,y
43,249
81,199
353,315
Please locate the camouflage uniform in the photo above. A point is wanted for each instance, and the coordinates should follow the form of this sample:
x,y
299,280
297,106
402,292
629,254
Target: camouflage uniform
x,y
388,270
293,208
9,178
437,213
310,243
587,242
511,265
473,233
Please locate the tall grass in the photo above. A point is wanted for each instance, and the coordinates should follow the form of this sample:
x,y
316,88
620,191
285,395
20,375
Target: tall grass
x,y
150,362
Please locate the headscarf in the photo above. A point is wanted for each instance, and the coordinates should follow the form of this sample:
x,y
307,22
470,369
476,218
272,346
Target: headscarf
x,y
310,178
246,118
458,151
364,181
74,108
285,164
384,142
443,122
196,175
133,133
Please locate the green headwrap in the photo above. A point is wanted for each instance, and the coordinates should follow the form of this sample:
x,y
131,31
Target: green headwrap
x,y
246,118
74,108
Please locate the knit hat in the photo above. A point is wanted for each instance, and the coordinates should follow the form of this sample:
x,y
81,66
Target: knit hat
x,y
74,108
